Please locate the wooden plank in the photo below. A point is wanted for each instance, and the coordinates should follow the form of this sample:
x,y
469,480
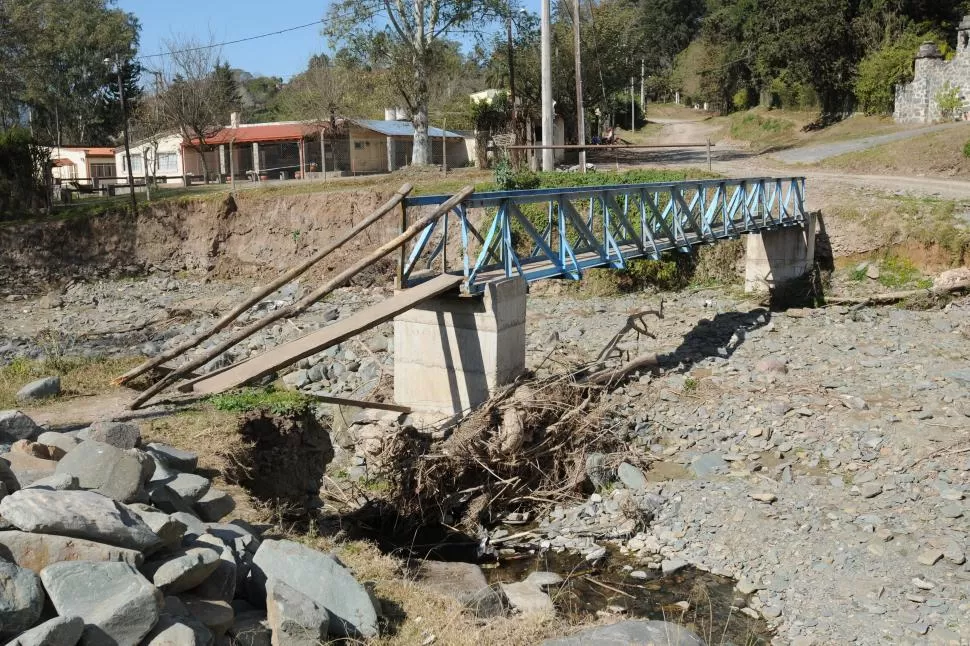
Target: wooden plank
x,y
340,401
289,353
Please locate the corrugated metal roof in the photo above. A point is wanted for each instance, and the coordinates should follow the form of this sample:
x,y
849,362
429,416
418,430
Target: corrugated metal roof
x,y
401,128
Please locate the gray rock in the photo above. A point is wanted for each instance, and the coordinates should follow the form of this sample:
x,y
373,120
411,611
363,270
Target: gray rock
x,y
14,426
8,480
40,389
596,470
117,604
221,584
81,514
707,465
56,482
189,486
182,570
37,551
28,469
322,578
216,616
169,529
296,620
59,631
177,631
162,497
113,472
527,598
122,435
193,526
630,632
870,489
462,581
21,599
631,477
214,505
172,457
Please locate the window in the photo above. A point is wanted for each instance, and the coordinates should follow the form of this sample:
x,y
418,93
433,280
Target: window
x,y
168,163
136,165
102,170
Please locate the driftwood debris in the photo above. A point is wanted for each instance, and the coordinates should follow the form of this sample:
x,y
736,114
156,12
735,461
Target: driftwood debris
x,y
895,297
285,278
302,305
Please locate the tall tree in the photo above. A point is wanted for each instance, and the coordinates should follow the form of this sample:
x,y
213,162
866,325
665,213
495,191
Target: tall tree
x,y
408,35
53,72
199,92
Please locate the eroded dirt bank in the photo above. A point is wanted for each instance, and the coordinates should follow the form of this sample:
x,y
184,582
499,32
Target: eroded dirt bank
x,y
247,236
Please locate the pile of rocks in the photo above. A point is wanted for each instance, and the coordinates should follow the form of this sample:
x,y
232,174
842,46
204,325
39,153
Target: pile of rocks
x,y
129,546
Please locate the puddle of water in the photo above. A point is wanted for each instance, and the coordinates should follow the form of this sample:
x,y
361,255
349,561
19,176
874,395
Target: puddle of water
x,y
703,602
663,470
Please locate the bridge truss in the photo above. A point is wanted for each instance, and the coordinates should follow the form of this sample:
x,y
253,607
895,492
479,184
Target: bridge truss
x,y
560,232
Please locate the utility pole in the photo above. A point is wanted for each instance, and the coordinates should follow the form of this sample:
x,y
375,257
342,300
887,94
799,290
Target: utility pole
x,y
124,114
633,107
643,94
580,111
548,161
511,53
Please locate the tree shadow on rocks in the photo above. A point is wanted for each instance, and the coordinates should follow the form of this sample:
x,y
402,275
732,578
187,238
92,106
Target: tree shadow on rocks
x,y
717,337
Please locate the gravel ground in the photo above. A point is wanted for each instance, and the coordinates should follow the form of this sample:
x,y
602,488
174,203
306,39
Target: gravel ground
x,y
818,456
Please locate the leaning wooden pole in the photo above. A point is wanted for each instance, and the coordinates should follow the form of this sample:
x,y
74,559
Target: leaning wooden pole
x,y
266,290
301,305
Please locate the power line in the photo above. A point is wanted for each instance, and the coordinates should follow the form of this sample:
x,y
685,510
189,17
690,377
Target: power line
x,y
230,42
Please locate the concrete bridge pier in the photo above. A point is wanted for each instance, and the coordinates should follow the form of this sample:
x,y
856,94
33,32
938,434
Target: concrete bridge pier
x,y
451,353
773,258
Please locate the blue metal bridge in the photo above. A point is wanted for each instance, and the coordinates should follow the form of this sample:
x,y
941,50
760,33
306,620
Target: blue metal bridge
x,y
560,232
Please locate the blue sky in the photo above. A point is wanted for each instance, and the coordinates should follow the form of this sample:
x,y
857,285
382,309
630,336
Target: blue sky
x,y
282,55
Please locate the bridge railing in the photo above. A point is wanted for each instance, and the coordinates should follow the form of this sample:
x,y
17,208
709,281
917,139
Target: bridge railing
x,y
560,232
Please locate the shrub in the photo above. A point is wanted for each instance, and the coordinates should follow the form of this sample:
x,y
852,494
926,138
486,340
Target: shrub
x,y
883,69
23,166
949,101
966,149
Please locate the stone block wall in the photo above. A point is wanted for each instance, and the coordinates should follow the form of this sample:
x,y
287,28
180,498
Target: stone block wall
x,y
916,101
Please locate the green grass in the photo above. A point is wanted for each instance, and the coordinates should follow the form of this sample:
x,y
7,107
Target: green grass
x,y
858,274
79,375
760,131
897,272
277,402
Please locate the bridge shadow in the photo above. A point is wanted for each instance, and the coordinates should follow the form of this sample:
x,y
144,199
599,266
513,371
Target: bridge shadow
x,y
717,337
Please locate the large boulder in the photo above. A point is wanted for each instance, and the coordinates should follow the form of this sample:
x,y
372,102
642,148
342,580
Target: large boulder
x,y
122,435
118,605
214,505
217,616
60,444
252,629
323,579
177,631
14,426
462,581
59,631
630,632
182,570
40,389
221,583
81,514
296,619
28,469
8,478
56,482
189,486
170,530
117,473
172,457
37,551
21,599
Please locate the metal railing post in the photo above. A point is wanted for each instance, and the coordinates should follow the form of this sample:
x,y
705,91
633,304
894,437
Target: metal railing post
x,y
401,255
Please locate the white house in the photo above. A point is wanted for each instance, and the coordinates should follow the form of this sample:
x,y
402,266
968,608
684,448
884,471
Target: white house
x,y
164,160
82,164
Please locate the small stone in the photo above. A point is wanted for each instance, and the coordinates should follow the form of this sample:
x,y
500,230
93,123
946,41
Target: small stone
x,y
543,579
772,365
40,389
528,599
929,557
951,511
631,477
746,586
669,566
183,570
764,497
923,584
771,612
870,490
755,432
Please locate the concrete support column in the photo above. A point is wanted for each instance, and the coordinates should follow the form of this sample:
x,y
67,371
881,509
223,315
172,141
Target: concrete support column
x,y
222,159
779,256
450,353
256,158
390,154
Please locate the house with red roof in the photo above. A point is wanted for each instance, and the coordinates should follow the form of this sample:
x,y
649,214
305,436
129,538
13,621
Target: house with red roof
x,y
291,150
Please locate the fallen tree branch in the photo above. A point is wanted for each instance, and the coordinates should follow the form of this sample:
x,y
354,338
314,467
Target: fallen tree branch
x,y
610,375
895,297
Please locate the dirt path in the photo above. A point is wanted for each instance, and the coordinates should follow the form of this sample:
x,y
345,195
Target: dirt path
x,y
815,153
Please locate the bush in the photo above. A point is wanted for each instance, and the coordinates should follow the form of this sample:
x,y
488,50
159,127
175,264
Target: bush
x,y
949,101
23,166
885,68
966,149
